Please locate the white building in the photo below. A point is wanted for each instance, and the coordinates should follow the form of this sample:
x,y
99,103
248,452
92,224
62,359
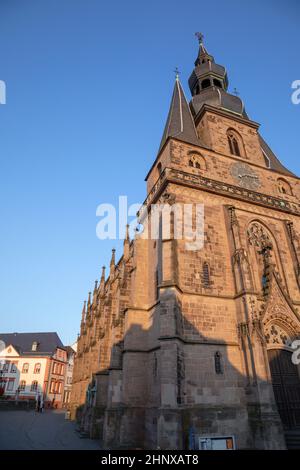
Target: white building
x,y
32,364
71,352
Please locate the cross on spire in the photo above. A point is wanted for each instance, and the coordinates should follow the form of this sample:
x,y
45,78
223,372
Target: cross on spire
x,y
235,91
200,37
176,71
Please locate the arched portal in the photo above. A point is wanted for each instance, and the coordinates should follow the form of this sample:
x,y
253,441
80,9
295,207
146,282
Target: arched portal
x,y
286,386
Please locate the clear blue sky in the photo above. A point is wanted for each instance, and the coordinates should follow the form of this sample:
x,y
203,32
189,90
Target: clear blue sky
x,y
88,90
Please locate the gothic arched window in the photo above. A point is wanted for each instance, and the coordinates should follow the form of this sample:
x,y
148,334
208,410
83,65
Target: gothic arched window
x,y
196,160
235,143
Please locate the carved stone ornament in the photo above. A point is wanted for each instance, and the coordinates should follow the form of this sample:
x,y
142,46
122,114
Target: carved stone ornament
x,y
276,335
258,237
168,198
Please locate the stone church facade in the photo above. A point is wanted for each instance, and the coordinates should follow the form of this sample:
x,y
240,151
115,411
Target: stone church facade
x,y
179,344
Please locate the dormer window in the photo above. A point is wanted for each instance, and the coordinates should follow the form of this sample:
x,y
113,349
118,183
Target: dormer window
x,y
34,346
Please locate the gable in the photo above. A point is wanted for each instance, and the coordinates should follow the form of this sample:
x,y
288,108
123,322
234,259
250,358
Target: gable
x,y
9,351
280,311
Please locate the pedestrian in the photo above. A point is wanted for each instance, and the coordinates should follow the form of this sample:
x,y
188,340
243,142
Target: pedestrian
x,y
42,404
38,403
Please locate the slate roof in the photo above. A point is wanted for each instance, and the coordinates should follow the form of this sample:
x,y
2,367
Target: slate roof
x,y
275,164
180,122
22,342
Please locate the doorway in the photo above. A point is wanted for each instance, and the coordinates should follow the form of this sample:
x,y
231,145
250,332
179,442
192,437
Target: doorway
x,y
286,386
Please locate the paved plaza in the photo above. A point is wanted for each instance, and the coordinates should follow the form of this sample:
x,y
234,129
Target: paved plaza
x,y
29,430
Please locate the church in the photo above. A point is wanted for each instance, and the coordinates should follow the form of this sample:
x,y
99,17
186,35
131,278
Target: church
x,y
193,349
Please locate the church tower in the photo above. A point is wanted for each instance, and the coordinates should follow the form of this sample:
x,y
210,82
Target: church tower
x,y
195,344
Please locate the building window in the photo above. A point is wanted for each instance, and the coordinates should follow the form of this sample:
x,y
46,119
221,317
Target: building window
x,y
34,386
25,368
10,385
34,346
14,367
37,368
217,83
218,363
235,143
22,385
6,366
59,385
194,162
205,275
159,168
52,386
205,83
3,383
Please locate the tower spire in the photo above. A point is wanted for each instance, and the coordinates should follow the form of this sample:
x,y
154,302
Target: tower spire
x,y
88,309
95,293
202,53
180,123
112,261
126,243
83,312
102,280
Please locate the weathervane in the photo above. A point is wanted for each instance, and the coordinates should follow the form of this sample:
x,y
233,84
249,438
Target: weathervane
x,y
235,92
200,37
176,73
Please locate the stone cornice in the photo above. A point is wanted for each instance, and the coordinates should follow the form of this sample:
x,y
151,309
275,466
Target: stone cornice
x,y
171,175
225,113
